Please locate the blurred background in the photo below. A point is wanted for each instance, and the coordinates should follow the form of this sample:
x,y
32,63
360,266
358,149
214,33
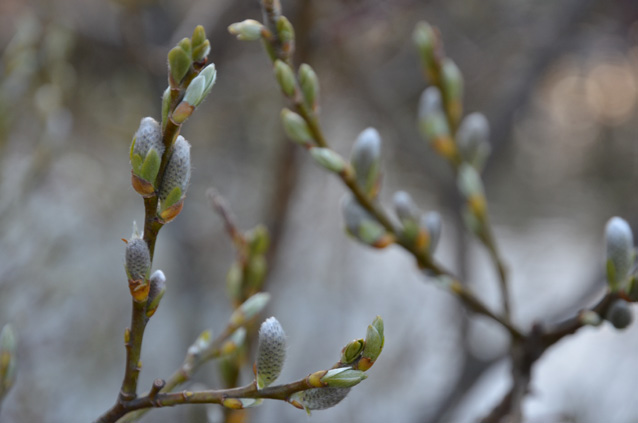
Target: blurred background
x,y
557,80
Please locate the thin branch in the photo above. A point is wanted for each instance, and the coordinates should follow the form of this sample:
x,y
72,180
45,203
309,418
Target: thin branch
x,y
213,396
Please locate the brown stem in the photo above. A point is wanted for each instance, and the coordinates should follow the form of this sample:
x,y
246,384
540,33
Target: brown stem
x,y
218,396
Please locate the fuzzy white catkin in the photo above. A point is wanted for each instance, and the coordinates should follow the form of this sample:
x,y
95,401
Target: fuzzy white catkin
x,y
619,242
178,169
138,259
148,135
321,398
271,352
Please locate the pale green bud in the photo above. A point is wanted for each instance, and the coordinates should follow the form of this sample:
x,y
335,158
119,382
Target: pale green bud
x,y
404,206
374,344
352,351
166,105
201,85
179,63
255,271
249,308
366,160
296,127
241,403
201,46
195,90
8,359
329,159
469,181
271,352
319,398
620,314
175,180
343,377
248,30
285,77
452,80
432,121
199,36
201,344
432,222
473,140
360,224
185,44
425,38
309,83
201,52
286,34
156,292
620,254
234,342
259,239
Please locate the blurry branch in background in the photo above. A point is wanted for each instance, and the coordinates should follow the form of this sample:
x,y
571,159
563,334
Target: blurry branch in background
x,y
8,360
464,144
161,168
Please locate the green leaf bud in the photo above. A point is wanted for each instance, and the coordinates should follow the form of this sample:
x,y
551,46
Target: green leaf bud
x,y
196,93
286,34
432,222
8,359
175,179
137,266
620,255
156,292
259,239
404,206
248,30
179,63
199,36
201,46
200,53
271,352
319,398
234,279
433,124
234,342
166,105
241,403
361,225
352,351
619,314
473,140
425,39
374,345
378,324
201,344
343,377
255,273
195,90
329,159
285,77
471,186
210,76
185,44
309,83
296,127
249,309
453,89
366,160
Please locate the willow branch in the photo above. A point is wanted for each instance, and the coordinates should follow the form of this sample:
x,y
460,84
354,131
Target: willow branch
x,y
214,396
